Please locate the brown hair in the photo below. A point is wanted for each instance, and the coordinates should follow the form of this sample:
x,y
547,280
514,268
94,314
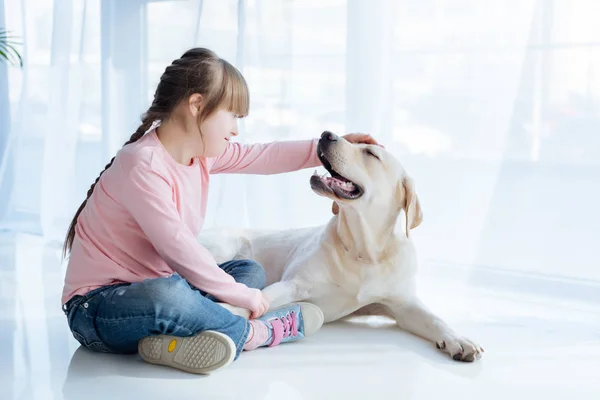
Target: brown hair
x,y
200,71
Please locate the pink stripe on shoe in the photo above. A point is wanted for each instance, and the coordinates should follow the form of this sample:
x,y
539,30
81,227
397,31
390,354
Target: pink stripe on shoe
x,y
283,327
277,326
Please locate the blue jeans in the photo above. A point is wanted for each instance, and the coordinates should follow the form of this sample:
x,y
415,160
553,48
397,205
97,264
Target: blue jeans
x,y
112,319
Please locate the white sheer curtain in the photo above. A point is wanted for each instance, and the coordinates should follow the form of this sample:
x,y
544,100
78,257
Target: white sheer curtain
x,y
492,106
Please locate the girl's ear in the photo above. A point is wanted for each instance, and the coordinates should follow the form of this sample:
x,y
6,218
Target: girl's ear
x,y
195,104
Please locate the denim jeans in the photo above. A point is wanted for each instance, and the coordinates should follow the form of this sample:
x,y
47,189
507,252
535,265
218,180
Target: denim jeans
x,y
112,319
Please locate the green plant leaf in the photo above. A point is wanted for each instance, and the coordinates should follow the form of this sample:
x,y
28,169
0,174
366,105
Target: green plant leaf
x,y
11,55
6,56
8,51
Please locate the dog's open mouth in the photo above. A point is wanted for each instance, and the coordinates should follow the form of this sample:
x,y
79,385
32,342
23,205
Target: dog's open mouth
x,y
335,184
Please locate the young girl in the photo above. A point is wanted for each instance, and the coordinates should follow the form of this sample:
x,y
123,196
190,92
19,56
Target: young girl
x,y
137,279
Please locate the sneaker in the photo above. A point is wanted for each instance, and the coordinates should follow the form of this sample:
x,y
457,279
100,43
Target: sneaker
x,y
203,353
292,322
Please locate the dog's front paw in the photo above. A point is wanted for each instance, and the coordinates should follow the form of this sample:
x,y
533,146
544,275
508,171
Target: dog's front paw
x,y
461,349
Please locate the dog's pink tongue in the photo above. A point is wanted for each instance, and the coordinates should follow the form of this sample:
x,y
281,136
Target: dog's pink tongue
x,y
349,186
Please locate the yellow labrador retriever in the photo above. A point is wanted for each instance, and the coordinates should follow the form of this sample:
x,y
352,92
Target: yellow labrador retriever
x,y
357,264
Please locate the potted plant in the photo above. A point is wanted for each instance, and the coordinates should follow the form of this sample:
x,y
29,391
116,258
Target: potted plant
x,y
8,50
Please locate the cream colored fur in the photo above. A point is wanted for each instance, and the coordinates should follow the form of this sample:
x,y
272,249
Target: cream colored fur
x,y
357,264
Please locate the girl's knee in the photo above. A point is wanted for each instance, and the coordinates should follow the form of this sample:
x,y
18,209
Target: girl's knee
x,y
171,296
254,273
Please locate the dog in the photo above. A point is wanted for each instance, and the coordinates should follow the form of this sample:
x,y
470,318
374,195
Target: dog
x,y
361,262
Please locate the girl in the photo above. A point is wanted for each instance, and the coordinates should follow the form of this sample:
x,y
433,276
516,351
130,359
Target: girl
x,y
137,279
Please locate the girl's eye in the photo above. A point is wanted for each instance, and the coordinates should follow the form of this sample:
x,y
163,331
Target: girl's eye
x,y
371,153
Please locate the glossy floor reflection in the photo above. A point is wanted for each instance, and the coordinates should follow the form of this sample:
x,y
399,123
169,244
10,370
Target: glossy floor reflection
x,y
537,346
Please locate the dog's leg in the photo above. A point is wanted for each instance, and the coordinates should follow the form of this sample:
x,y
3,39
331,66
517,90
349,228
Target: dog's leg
x,y
412,316
278,294
284,292
242,312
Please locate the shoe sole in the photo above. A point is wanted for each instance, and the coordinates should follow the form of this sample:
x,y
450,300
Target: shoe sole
x,y
203,353
313,318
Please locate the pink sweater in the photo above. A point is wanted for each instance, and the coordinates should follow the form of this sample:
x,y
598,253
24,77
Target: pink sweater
x,y
145,213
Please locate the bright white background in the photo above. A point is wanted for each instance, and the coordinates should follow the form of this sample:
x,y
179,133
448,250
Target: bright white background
x,y
493,106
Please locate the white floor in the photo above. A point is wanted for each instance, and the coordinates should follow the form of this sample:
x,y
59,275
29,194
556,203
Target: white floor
x,y
539,345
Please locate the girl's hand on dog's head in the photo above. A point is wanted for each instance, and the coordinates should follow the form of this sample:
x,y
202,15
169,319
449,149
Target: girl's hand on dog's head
x,y
361,138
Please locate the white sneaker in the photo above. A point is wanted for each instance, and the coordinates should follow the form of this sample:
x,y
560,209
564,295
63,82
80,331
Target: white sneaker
x,y
203,353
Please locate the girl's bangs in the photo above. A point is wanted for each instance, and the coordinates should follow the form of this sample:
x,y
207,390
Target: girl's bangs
x,y
236,97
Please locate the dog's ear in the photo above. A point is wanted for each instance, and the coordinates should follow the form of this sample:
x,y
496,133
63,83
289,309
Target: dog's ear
x,y
335,209
411,204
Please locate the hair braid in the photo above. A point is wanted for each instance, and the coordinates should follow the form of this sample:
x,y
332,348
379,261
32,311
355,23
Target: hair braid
x,y
200,71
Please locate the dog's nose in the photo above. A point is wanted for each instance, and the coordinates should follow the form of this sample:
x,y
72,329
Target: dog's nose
x,y
329,136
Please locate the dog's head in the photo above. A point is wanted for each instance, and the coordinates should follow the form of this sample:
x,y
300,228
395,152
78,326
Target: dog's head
x,y
367,179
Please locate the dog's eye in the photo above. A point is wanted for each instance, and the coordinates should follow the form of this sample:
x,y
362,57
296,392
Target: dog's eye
x,y
371,153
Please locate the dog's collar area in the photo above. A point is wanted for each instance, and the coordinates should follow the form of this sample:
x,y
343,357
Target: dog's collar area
x,y
361,258
377,257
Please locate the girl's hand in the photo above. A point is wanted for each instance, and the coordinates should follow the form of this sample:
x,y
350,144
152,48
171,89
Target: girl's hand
x,y
262,307
361,138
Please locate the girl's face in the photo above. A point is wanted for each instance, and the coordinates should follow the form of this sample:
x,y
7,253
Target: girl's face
x,y
217,130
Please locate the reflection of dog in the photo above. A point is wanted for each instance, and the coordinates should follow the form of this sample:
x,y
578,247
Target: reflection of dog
x,y
357,264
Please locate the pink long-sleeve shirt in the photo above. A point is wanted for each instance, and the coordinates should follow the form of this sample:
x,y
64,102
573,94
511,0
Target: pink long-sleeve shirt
x,y
146,211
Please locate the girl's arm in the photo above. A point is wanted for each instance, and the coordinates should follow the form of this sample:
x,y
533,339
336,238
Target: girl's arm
x,y
147,195
275,157
266,159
